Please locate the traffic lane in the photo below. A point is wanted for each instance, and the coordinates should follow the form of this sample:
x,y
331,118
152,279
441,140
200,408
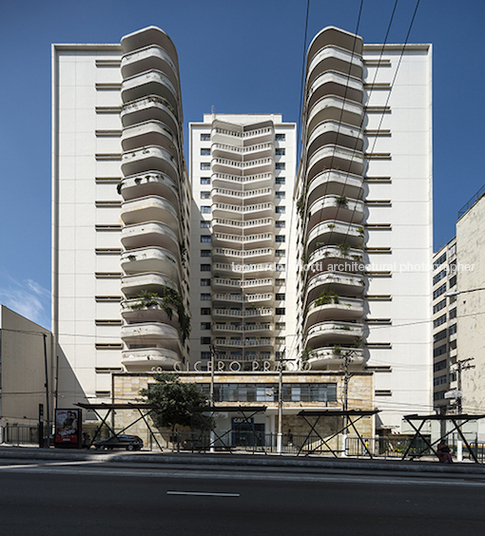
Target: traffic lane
x,y
104,504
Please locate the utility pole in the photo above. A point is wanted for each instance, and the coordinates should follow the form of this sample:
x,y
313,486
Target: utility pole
x,y
461,364
279,437
213,362
347,375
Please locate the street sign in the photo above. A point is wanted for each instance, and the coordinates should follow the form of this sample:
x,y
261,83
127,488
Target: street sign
x,y
454,394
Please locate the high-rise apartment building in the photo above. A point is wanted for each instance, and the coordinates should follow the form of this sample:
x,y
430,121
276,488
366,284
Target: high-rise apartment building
x,y
327,267
243,171
365,216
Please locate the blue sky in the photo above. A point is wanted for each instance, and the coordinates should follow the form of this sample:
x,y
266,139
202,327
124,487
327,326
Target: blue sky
x,y
236,56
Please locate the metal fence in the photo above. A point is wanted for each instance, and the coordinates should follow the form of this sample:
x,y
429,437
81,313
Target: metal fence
x,y
20,434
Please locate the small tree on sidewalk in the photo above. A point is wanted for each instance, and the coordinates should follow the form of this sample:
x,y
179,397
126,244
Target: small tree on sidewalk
x,y
173,400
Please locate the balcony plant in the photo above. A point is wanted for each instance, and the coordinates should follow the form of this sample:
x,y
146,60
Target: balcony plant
x,y
326,298
342,201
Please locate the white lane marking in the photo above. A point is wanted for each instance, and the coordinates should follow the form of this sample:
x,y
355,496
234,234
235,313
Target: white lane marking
x,y
203,493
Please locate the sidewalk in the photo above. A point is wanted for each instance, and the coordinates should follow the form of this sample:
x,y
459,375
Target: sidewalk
x,y
226,460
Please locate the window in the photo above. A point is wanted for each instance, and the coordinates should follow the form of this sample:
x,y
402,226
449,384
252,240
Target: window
x,y
439,276
280,310
205,267
281,224
205,224
205,180
280,252
205,282
439,366
452,329
205,165
205,152
280,195
440,335
439,261
280,238
205,355
205,210
453,281
279,210
205,325
280,137
280,267
280,296
280,165
453,313
205,137
280,180
439,291
440,380
204,311
205,252
440,320
205,238
440,305
205,340
280,151
205,195
205,296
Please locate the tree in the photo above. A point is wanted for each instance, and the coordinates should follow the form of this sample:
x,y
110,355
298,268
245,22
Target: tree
x,y
173,400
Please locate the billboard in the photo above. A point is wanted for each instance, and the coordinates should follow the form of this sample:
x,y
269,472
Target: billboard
x,y
68,428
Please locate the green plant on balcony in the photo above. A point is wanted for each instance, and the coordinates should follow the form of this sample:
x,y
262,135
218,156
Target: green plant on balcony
x,y
361,230
342,201
331,225
306,355
337,349
344,328
326,298
357,342
344,248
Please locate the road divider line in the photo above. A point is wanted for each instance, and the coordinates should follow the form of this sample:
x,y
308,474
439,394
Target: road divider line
x,y
204,493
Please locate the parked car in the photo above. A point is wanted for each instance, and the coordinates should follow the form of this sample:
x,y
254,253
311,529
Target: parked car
x,y
122,441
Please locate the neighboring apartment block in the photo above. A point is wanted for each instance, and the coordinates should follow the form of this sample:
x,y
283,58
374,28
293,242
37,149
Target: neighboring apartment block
x,y
327,267
243,171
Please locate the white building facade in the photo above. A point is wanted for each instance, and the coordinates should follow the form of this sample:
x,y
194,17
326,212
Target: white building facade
x,y
365,227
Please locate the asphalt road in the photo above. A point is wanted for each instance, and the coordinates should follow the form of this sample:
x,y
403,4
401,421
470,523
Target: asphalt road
x,y
92,498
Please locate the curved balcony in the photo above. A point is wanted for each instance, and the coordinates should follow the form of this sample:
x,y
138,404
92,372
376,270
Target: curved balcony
x,y
322,358
149,183
334,232
151,108
250,241
333,182
133,313
150,359
133,285
241,298
241,226
150,234
149,83
333,83
261,180
154,333
331,35
150,208
150,157
333,132
341,284
246,313
225,195
252,270
333,108
334,156
260,255
260,285
152,35
333,58
346,309
150,58
259,210
148,133
333,332
253,167
334,258
333,207
150,259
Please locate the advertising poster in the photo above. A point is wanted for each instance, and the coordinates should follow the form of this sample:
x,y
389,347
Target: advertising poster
x,y
68,427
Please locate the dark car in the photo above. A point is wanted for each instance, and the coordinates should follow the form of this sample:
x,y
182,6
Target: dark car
x,y
122,441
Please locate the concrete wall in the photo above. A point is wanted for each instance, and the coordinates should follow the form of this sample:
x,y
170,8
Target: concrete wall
x,y
23,371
